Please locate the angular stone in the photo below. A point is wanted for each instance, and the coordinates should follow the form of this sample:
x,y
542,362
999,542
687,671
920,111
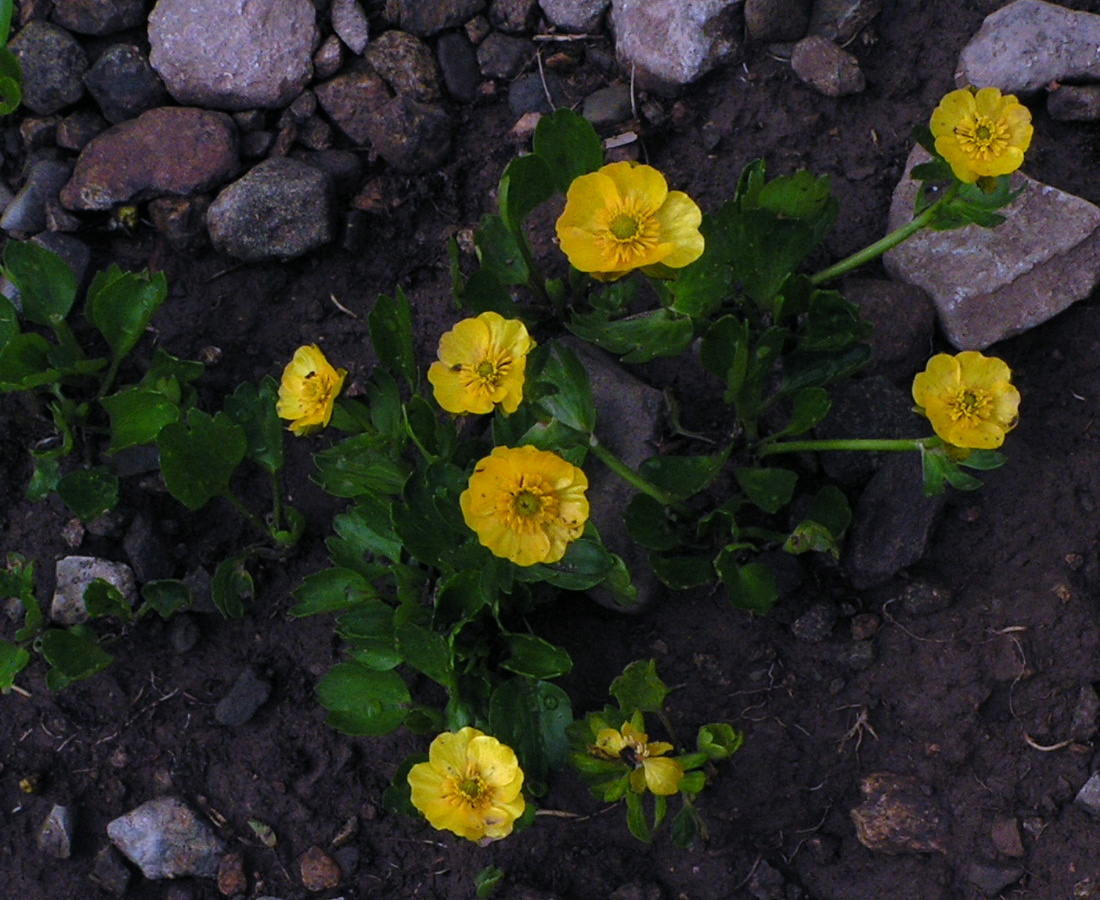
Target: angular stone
x,y
233,54
411,136
165,839
826,67
1005,835
123,83
992,878
406,64
318,870
281,209
992,283
1027,44
899,815
350,24
670,43
1088,798
53,65
55,837
249,692
75,574
127,161
503,56
98,16
580,16
350,100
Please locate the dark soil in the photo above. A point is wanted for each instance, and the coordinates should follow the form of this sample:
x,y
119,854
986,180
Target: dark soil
x,y
952,698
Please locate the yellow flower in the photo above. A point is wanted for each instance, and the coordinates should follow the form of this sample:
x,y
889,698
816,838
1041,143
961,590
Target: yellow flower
x,y
481,363
308,390
652,769
981,134
526,504
968,398
471,785
624,217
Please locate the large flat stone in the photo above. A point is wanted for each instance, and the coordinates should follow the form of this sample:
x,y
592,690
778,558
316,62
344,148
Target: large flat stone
x,y
988,284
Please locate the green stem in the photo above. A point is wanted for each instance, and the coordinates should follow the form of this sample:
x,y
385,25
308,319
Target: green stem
x,y
253,519
277,500
109,377
844,444
891,240
627,474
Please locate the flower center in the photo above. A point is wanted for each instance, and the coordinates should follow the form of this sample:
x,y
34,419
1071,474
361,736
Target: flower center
x,y
982,137
485,376
623,226
316,389
471,791
632,232
529,505
970,404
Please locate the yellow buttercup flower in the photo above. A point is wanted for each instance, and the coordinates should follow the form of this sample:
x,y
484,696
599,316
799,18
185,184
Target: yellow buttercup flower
x,y
981,134
526,504
471,785
652,768
624,217
308,390
481,364
968,398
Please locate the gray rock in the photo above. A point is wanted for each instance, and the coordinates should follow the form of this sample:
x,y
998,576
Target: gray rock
x,y
233,54
109,871
98,16
991,878
579,16
527,94
503,56
25,213
1086,714
1027,44
827,68
891,524
1074,103
350,24
842,20
514,16
183,633
53,65
776,20
899,814
816,623
55,837
1088,798
425,19
608,106
406,64
249,692
629,414
329,58
670,43
127,161
351,99
991,283
124,84
458,62
903,322
165,839
75,574
281,209
412,137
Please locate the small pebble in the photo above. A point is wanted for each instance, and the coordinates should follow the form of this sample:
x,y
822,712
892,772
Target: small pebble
x,y
318,870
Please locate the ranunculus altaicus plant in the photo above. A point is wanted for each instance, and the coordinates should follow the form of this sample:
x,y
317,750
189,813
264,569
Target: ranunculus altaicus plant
x,y
968,398
654,770
471,784
481,365
308,390
526,504
982,133
624,217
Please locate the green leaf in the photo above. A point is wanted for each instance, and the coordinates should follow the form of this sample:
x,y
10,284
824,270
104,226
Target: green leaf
x,y
569,145
89,492
13,659
390,324
25,363
534,657
198,458
44,478
527,183
635,818
531,717
73,653
499,251
487,881
428,652
484,292
983,460
811,406
639,688
768,489
368,628
253,408
101,598
363,702
683,476
137,416
434,436
719,740
684,829
46,284
367,528
570,398
121,304
638,338
330,590
231,586
648,524
724,352
702,287
360,466
167,596
9,321
751,586
586,563
683,572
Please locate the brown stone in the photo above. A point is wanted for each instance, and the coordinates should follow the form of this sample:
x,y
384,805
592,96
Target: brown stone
x,y
319,871
899,815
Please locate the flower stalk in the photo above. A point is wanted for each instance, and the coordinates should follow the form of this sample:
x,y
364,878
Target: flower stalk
x,y
865,444
627,474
